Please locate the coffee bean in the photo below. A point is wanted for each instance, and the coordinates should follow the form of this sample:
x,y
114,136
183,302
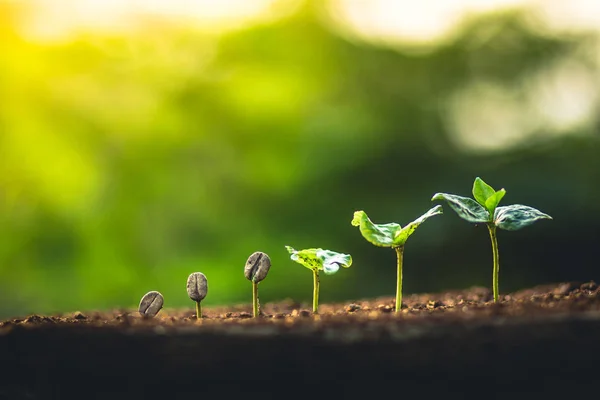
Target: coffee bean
x,y
257,267
197,286
151,304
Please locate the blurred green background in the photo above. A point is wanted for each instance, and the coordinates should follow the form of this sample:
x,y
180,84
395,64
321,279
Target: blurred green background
x,y
140,146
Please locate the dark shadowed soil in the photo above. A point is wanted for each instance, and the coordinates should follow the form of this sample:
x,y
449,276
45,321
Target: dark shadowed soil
x,y
539,342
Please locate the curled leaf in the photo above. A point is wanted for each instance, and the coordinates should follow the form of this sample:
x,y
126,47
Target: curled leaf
x,y
326,260
517,216
466,208
382,235
410,228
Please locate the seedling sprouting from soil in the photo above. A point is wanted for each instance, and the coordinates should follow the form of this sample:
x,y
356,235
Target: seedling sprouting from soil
x,y
484,209
151,304
319,260
256,270
391,235
197,287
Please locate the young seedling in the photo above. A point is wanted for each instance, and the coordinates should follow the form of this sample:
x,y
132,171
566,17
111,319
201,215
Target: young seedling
x,y
256,270
484,209
197,287
151,304
391,235
319,260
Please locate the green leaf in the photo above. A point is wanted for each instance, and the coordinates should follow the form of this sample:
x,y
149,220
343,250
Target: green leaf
x,y
326,260
482,191
382,235
410,228
517,216
492,202
467,209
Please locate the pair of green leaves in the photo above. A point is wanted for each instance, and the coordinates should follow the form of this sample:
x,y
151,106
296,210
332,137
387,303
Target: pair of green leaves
x,y
392,234
318,259
484,209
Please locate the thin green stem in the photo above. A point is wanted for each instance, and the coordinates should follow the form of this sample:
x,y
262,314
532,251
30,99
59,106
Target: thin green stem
x,y
198,310
399,256
255,304
494,239
316,291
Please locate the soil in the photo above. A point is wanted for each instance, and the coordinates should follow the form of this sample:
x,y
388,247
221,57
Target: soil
x,y
540,341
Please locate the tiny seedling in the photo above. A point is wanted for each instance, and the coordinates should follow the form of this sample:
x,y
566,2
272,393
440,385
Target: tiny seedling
x,y
391,235
319,260
197,287
256,270
484,209
151,304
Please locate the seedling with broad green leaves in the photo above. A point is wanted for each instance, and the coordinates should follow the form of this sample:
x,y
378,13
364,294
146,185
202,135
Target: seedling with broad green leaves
x,y
319,260
391,235
484,209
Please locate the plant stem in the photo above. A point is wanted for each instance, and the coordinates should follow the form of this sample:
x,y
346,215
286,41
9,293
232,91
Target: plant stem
x,y
255,304
198,310
316,291
494,239
399,256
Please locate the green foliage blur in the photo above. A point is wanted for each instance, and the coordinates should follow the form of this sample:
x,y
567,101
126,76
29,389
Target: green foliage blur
x,y
130,160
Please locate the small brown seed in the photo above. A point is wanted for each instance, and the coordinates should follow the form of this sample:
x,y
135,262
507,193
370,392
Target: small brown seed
x,y
257,267
197,286
151,304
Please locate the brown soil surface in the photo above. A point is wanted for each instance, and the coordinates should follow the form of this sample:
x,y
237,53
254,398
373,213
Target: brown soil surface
x,y
544,340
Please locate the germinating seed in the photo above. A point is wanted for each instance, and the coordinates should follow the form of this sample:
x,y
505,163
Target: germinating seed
x,y
197,286
257,267
151,304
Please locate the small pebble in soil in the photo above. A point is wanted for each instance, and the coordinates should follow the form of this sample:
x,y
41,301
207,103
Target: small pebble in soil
x,y
33,318
151,304
79,315
589,286
245,315
304,313
124,319
563,289
353,307
431,304
384,308
279,316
